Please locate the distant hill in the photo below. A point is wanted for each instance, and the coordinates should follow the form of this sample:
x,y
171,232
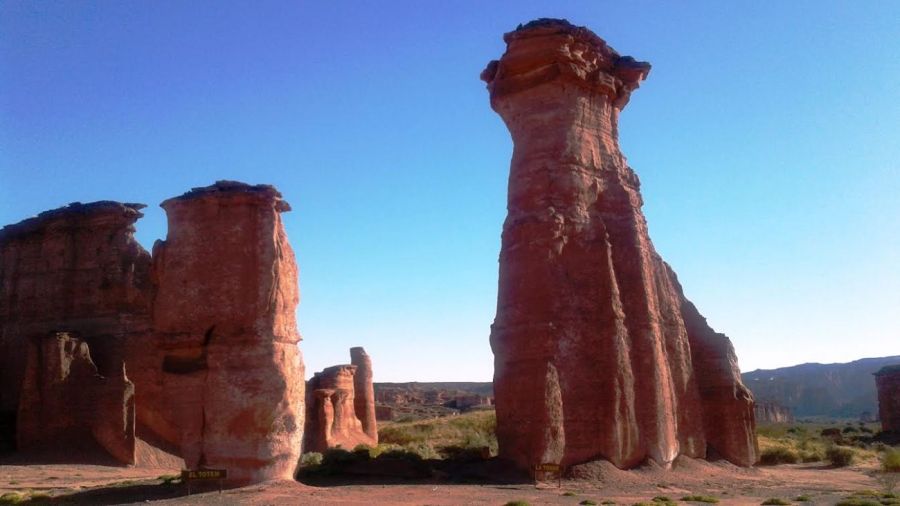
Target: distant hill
x,y
821,390
482,388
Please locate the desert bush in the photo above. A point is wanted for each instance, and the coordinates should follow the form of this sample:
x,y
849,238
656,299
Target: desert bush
x,y
839,456
588,502
311,459
890,461
811,456
857,501
778,455
831,432
517,503
12,498
775,501
700,498
848,430
803,498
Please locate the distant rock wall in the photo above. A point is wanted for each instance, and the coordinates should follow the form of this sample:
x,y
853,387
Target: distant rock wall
x,y
772,412
887,381
336,417
597,354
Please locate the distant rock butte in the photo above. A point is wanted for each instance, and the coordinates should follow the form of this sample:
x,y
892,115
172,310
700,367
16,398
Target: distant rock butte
x,y
597,353
206,327
771,412
887,381
340,404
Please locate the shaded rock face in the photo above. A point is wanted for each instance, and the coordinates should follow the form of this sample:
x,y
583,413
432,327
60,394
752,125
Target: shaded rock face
x,y
66,406
771,412
336,417
77,268
224,314
887,380
597,354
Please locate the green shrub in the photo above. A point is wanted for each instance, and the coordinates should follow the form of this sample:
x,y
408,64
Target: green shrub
x,y
774,501
890,461
848,430
517,503
857,501
588,502
700,498
311,459
12,498
778,455
811,456
569,493
803,498
839,456
662,500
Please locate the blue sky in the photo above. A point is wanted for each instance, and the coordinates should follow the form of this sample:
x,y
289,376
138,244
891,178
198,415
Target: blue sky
x,y
767,139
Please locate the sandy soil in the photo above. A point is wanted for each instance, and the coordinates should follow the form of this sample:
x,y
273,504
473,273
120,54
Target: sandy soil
x,y
114,485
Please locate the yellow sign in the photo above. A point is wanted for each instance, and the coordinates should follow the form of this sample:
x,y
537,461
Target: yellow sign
x,y
548,468
204,474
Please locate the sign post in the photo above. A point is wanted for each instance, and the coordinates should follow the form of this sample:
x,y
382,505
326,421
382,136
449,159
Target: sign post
x,y
549,468
191,475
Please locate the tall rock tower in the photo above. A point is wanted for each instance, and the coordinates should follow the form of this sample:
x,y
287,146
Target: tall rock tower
x,y
597,354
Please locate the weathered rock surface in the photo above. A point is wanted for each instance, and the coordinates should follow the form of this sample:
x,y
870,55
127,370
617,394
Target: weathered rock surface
x,y
335,415
364,391
597,354
79,269
887,380
771,412
225,315
66,406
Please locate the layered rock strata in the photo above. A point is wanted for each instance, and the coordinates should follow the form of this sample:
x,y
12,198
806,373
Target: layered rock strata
x,y
77,268
67,407
336,416
771,412
597,354
887,380
224,313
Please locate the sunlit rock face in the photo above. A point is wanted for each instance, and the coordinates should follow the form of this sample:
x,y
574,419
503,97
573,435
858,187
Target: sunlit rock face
x,y
771,412
66,406
224,313
887,380
597,354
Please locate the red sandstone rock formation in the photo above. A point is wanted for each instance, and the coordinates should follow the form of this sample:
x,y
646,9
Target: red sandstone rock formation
x,y
597,353
225,314
771,412
76,268
335,416
887,380
66,406
364,391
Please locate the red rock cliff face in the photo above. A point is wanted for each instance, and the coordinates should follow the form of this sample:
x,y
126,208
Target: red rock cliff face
x,y
771,412
67,406
594,357
78,269
887,380
364,391
225,315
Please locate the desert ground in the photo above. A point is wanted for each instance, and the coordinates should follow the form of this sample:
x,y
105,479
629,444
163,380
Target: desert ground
x,y
87,484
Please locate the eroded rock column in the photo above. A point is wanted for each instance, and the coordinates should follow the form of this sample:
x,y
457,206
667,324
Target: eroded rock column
x,y
592,357
225,315
364,391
